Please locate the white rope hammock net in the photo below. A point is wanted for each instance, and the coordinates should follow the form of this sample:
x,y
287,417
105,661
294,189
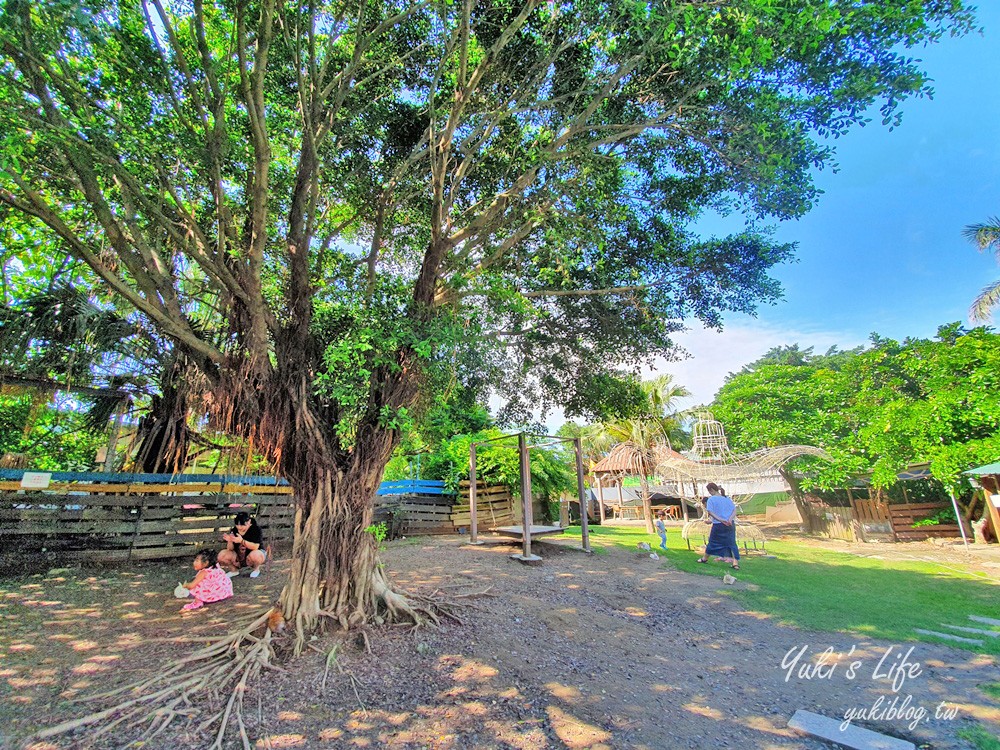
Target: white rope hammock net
x,y
711,460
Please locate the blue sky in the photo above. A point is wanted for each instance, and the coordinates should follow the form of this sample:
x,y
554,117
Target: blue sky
x,y
883,249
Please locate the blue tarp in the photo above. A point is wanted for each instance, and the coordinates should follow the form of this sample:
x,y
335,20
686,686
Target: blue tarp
x,y
413,487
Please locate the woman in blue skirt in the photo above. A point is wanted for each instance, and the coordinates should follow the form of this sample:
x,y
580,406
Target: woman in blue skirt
x,y
721,513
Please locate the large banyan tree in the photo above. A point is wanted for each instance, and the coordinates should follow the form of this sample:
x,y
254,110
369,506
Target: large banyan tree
x,y
378,198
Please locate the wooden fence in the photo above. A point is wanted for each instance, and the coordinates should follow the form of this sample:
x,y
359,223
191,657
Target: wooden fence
x,y
868,519
871,519
831,522
127,518
415,507
414,515
904,516
97,517
494,507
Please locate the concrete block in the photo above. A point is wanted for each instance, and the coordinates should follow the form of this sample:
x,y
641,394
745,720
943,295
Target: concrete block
x,y
529,560
949,637
984,620
977,631
855,738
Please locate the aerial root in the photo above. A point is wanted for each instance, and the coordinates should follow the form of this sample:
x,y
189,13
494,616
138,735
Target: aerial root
x,y
414,610
227,663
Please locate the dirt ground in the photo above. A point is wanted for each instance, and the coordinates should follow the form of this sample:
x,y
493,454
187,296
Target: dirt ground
x,y
610,650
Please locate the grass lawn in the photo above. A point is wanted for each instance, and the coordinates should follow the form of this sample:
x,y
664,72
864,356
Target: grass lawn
x,y
835,591
980,738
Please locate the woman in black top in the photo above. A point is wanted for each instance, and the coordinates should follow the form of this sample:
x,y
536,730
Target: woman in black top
x,y
244,547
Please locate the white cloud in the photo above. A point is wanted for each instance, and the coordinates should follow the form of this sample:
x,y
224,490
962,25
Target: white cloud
x,y
714,354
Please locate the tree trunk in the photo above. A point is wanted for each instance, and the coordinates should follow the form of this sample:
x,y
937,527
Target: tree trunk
x,y
796,492
970,509
978,530
164,432
335,572
336,578
647,505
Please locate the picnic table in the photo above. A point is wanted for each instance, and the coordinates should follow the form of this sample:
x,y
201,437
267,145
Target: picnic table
x,y
626,512
634,512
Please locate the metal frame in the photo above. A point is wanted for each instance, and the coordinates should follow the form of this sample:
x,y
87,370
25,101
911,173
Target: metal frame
x,y
524,463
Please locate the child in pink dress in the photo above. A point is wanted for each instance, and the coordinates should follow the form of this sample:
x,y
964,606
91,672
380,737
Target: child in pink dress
x,y
211,584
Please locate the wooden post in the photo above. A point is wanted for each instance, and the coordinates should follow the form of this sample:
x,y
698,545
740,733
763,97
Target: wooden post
x,y
694,484
600,497
994,513
584,528
526,509
473,517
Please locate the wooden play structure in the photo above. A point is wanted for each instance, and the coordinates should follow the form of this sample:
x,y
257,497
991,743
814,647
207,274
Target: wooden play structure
x,y
527,529
628,460
988,479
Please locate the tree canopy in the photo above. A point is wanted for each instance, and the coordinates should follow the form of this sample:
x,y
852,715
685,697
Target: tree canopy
x,y
318,175
333,209
878,409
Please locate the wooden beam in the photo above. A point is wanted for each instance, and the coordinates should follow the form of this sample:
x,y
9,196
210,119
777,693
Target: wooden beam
x,y
993,511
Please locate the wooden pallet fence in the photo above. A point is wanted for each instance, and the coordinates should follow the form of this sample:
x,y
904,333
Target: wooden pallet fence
x,y
114,522
494,507
871,519
870,511
905,515
831,522
415,515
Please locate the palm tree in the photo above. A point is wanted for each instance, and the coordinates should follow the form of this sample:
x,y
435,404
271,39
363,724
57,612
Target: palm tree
x,y
658,425
985,237
60,334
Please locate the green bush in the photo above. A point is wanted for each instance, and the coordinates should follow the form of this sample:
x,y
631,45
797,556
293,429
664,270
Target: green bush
x,y
943,516
54,440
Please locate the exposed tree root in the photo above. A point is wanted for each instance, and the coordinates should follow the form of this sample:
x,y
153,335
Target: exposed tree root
x,y
228,663
223,670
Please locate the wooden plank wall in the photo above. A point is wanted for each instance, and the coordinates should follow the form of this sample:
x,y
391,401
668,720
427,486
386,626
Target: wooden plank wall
x,y
414,515
871,520
413,487
834,523
494,507
91,522
904,516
